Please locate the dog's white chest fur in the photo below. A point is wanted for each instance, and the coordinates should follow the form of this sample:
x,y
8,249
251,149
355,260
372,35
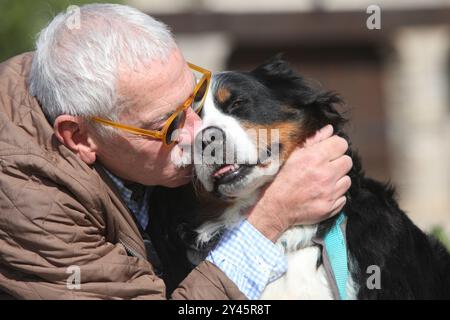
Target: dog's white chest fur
x,y
303,280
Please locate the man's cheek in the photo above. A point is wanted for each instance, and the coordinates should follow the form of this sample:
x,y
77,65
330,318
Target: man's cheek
x,y
181,155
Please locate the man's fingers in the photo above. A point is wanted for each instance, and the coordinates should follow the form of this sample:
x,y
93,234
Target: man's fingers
x,y
338,205
325,132
334,147
342,186
320,135
341,166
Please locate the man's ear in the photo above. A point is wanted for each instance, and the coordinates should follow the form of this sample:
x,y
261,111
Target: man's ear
x,y
73,133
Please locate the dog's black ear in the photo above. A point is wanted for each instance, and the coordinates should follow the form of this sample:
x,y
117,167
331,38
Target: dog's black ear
x,y
323,111
291,89
276,66
283,81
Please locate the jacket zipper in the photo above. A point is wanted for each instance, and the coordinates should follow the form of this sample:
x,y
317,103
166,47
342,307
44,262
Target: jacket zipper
x,y
131,250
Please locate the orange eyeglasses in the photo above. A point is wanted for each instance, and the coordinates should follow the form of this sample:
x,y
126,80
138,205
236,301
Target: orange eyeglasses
x,y
176,119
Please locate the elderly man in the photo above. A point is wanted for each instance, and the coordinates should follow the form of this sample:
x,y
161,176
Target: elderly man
x,y
72,224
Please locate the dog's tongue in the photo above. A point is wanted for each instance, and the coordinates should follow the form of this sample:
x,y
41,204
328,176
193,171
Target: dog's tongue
x,y
223,170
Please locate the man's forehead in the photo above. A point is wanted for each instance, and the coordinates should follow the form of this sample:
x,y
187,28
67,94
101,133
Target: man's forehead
x,y
154,74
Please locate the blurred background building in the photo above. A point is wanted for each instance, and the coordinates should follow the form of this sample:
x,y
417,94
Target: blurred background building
x,y
395,80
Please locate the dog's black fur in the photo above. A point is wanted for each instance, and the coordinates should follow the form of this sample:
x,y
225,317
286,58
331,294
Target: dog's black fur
x,y
413,265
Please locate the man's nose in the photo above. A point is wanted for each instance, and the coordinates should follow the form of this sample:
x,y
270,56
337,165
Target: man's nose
x,y
192,125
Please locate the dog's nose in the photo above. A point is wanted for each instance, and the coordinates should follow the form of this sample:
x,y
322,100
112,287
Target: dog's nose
x,y
212,134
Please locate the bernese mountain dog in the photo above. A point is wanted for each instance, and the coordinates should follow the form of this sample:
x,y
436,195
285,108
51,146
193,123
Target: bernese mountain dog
x,y
187,222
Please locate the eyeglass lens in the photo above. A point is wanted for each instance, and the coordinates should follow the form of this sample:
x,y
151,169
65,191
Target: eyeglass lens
x,y
179,119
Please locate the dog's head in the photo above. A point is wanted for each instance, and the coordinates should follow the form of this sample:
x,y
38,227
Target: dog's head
x,y
252,121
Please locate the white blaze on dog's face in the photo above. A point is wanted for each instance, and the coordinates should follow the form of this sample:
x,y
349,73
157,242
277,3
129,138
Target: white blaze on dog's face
x,y
246,135
231,164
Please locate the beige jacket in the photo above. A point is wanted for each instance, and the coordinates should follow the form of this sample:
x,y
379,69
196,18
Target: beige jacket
x,y
56,212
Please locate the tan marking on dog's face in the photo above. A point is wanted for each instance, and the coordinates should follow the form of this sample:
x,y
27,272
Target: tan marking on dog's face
x,y
222,94
290,135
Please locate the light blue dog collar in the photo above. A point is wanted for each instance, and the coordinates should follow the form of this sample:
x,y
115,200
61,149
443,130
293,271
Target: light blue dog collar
x,y
336,248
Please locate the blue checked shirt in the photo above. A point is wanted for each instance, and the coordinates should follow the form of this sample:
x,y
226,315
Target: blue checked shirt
x,y
248,258
137,205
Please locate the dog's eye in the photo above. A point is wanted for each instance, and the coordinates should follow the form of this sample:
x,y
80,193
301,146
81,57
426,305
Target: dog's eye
x,y
236,104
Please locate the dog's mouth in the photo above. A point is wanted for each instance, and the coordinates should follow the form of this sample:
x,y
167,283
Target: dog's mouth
x,y
230,173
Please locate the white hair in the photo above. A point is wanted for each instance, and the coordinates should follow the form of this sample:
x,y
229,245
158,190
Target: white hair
x,y
75,67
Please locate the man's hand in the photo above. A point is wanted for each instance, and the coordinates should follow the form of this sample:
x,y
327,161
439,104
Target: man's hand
x,y
309,188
